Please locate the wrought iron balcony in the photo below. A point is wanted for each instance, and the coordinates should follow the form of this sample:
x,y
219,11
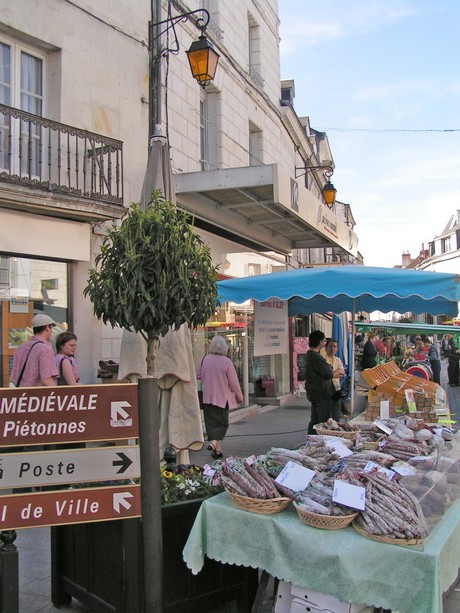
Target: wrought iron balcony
x,y
51,156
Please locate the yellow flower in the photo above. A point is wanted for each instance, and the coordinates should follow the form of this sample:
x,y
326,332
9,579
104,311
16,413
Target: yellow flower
x,y
167,474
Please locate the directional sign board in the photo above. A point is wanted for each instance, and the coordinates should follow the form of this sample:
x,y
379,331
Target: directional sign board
x,y
66,467
69,507
65,414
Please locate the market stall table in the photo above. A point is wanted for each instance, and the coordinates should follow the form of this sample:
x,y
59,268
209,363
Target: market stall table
x,y
341,563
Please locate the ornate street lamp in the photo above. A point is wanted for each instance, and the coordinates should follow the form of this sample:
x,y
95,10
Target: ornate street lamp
x,y
328,189
203,59
202,56
329,193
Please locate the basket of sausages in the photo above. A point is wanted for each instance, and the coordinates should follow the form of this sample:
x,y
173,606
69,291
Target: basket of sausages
x,y
251,488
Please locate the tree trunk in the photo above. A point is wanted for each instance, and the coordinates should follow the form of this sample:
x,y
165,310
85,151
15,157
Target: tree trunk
x,y
151,346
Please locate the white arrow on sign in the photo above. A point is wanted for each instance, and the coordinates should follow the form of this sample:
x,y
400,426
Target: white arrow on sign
x,y
120,499
117,410
69,466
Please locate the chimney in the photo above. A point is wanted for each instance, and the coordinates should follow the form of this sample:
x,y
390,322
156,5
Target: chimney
x,y
406,260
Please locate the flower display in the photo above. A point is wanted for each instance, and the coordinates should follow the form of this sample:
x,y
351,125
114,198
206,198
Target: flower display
x,y
185,482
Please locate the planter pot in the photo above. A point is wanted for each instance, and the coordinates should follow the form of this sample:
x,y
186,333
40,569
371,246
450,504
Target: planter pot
x,y
100,564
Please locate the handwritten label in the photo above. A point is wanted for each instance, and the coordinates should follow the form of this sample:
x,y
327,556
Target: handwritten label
x,y
383,426
372,466
339,448
295,477
353,496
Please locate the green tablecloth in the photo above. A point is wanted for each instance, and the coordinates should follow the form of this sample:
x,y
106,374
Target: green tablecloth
x,y
341,563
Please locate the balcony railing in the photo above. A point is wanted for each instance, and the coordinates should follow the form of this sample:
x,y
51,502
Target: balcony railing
x,y
52,156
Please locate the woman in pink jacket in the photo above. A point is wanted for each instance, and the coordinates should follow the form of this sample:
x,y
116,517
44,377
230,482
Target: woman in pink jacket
x,y
221,392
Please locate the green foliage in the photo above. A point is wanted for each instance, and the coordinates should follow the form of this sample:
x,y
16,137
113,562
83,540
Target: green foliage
x,y
154,272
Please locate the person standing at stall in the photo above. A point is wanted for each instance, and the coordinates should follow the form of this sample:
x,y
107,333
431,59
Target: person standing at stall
x,y
369,353
453,369
435,362
336,363
318,380
221,392
445,346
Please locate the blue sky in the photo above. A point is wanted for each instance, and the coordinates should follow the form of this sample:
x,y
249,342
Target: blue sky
x,y
365,71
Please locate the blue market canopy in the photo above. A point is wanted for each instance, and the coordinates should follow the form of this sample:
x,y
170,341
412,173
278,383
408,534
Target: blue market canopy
x,y
350,288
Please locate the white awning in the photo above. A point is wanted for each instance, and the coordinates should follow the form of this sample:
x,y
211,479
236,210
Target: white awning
x,y
43,236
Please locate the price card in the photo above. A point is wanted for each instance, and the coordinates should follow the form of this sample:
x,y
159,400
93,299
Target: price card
x,y
383,426
339,448
439,431
353,496
405,471
295,477
410,398
251,459
208,471
385,409
371,466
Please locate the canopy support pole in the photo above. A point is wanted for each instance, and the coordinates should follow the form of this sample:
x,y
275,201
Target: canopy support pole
x,y
353,334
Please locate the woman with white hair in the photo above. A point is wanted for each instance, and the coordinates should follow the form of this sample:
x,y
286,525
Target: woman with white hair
x,y
221,392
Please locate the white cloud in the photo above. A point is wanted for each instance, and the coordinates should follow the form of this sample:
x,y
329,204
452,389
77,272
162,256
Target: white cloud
x,y
332,20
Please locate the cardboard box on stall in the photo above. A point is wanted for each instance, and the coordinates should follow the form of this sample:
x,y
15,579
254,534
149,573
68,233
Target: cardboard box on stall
x,y
294,599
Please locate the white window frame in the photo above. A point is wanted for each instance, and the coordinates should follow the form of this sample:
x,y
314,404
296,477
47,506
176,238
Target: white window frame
x,y
255,145
208,130
16,51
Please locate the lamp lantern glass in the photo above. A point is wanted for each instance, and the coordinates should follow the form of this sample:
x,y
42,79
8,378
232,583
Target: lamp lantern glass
x,y
329,193
203,60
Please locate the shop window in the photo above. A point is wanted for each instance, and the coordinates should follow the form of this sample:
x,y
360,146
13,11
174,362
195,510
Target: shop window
x,y
29,286
5,282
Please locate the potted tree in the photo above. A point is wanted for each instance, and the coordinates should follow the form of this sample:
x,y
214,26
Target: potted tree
x,y
153,274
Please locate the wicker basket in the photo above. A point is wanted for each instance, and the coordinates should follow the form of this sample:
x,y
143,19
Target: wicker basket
x,y
325,522
370,446
267,506
339,433
385,539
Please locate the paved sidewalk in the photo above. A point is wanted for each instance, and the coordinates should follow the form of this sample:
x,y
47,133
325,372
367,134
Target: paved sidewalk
x,y
250,431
